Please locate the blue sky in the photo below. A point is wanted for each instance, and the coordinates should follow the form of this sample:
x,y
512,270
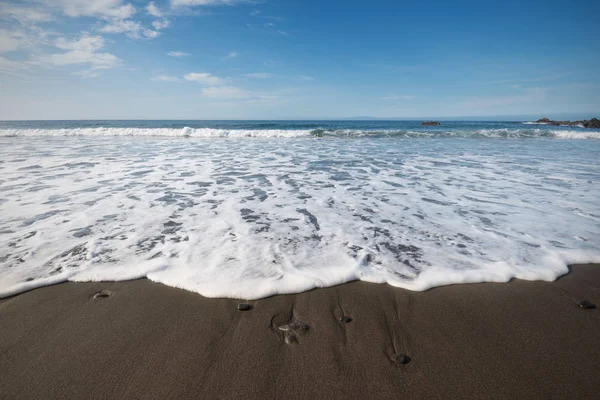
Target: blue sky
x,y
276,59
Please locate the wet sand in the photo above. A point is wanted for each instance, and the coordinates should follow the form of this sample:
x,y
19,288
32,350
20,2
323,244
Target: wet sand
x,y
147,340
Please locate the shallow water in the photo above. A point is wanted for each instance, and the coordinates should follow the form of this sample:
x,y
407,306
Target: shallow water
x,y
253,217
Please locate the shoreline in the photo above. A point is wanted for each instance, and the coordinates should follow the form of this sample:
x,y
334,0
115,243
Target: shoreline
x,y
143,339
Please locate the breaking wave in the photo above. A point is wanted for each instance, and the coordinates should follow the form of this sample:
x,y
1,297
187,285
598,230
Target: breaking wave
x,y
186,132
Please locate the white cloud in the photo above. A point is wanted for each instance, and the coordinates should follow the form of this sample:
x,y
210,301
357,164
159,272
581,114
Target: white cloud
x,y
204,78
395,97
225,92
161,24
153,10
122,26
17,39
177,3
232,55
116,9
150,34
23,14
177,54
81,51
116,13
87,74
98,60
305,78
11,67
85,43
166,78
9,41
259,75
133,29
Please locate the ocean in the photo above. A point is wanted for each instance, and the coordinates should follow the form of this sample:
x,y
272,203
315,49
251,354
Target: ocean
x,y
249,209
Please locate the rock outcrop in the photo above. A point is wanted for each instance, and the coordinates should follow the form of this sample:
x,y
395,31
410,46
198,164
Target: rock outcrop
x,y
430,123
593,123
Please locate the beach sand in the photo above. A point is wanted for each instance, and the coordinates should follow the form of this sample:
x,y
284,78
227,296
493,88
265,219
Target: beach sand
x,y
146,340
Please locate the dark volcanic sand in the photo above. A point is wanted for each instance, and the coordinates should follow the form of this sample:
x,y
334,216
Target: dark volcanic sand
x,y
144,340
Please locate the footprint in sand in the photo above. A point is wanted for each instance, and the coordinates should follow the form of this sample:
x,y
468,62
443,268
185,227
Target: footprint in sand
x,y
102,294
293,330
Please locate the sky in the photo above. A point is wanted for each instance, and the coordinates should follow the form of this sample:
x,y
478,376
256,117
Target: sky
x,y
298,59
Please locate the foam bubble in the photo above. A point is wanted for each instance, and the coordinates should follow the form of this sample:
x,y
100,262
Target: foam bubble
x,y
253,218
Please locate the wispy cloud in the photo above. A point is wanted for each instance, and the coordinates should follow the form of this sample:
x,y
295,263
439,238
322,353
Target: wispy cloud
x,y
166,78
21,38
87,74
84,50
543,78
177,54
260,14
10,41
205,78
268,27
224,92
117,15
180,3
231,55
259,75
221,89
133,29
108,9
396,97
305,78
12,67
24,14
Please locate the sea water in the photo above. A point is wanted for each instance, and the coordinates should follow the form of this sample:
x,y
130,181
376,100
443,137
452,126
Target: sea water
x,y
249,209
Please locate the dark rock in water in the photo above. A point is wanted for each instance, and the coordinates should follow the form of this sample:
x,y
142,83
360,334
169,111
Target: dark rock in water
x,y
430,123
345,319
586,305
244,307
593,123
403,359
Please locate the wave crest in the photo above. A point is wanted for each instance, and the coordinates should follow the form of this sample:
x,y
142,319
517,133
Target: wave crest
x,y
187,132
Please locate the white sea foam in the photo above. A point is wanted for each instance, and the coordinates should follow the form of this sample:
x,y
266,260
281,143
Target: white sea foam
x,y
577,134
166,132
545,123
187,132
252,218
